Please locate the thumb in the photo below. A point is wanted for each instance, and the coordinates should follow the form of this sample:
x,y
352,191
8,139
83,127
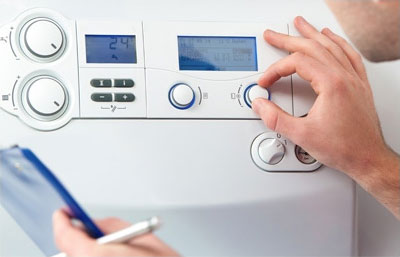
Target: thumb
x,y
69,238
275,118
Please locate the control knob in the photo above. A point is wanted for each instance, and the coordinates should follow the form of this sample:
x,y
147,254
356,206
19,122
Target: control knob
x,y
255,91
42,39
181,96
45,98
271,151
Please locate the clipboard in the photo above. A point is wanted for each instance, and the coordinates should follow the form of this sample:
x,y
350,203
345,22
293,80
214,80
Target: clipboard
x,y
30,193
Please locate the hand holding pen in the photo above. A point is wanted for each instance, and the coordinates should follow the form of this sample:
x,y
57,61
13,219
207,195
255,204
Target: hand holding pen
x,y
122,239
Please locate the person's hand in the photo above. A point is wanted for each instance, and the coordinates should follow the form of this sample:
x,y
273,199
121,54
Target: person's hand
x,y
75,242
342,128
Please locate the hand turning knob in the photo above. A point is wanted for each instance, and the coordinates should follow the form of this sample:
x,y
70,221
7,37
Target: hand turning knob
x,y
255,91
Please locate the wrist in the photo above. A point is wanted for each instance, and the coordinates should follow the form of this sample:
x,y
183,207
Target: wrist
x,y
380,176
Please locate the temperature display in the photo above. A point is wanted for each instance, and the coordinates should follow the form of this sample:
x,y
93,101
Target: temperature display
x,y
217,53
110,49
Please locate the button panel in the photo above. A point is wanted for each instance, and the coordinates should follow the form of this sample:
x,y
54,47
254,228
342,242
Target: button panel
x,y
123,97
123,89
271,151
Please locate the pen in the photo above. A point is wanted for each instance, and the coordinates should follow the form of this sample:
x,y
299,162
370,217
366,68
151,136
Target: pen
x,y
128,233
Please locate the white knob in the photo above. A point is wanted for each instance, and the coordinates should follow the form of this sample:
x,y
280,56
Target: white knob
x,y
182,96
46,96
255,91
271,151
43,38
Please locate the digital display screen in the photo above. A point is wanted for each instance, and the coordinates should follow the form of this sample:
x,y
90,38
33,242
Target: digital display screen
x,y
217,53
110,49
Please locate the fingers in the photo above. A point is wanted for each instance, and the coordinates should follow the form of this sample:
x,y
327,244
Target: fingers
x,y
276,119
299,44
352,55
308,31
306,67
70,239
111,225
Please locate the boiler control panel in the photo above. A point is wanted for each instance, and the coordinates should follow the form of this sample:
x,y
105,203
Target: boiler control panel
x,y
55,70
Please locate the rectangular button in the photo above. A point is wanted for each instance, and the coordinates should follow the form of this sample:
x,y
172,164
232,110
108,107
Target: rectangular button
x,y
100,82
124,97
123,83
101,97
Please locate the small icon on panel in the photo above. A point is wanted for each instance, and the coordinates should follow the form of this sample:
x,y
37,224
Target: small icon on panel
x,y
4,97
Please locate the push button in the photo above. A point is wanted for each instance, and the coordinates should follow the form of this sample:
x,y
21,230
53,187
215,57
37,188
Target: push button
x,y
100,82
101,97
123,83
124,97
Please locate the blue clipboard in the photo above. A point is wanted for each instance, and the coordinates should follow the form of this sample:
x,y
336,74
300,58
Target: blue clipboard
x,y
30,193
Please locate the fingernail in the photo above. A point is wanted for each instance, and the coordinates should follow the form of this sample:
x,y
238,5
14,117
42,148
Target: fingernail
x,y
328,31
271,32
300,20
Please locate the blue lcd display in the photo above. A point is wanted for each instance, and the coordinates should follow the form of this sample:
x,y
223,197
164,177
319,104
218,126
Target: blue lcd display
x,y
110,49
216,53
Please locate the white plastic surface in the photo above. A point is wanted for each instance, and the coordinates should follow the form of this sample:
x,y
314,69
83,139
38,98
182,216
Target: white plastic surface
x,y
43,38
182,95
46,96
271,151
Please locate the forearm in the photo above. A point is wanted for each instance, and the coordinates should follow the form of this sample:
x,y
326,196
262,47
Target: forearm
x,y
381,178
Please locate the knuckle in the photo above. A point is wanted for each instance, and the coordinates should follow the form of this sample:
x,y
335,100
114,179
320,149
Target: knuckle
x,y
357,57
314,45
336,80
297,56
341,40
300,136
